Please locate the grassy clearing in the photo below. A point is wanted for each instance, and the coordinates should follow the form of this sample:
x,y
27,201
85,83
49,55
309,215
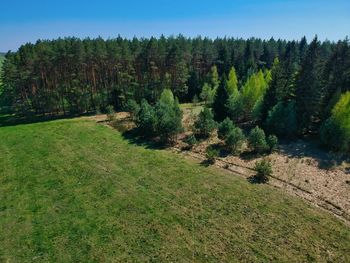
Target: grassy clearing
x,y
76,191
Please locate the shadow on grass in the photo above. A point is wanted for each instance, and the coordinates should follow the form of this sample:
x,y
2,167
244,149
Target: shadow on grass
x,y
11,119
207,163
249,156
254,179
133,137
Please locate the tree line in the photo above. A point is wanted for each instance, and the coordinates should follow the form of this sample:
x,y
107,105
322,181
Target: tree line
x,y
74,75
289,88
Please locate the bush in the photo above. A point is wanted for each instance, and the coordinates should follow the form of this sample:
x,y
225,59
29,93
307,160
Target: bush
x,y
272,142
211,154
110,113
263,170
191,140
205,124
225,127
257,140
235,140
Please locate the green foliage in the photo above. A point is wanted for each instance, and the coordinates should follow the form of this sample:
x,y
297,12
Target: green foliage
x,y
146,119
168,120
257,140
132,106
191,140
211,154
232,82
235,107
205,124
195,99
309,89
167,97
208,94
110,113
214,77
282,120
235,140
335,132
220,101
224,128
263,170
272,142
163,120
253,91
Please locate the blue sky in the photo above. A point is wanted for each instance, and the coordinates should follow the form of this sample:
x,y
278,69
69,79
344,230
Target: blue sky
x,y
24,21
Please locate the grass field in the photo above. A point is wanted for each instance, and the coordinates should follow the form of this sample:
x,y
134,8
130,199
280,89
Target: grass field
x,y
77,191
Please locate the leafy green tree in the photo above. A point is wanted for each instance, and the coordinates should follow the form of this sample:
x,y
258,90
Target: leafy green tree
x,y
335,132
220,101
252,92
205,124
232,82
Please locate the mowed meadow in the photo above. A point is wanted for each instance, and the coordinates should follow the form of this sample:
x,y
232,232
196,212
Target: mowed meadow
x,y
77,191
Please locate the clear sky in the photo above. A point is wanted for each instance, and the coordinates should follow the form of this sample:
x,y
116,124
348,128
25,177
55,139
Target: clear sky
x,y
24,21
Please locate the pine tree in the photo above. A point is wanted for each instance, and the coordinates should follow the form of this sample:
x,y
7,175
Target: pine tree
x,y
309,89
214,77
205,123
220,101
270,97
232,83
336,76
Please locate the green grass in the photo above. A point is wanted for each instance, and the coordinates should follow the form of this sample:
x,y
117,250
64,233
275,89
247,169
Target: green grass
x,y
195,108
76,191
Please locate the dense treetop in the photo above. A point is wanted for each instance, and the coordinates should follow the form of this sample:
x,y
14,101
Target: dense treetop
x,y
71,74
293,83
